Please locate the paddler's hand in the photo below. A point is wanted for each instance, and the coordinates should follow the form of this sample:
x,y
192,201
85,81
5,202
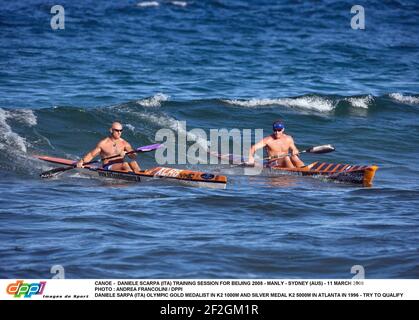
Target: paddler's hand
x,y
80,164
250,162
122,154
295,153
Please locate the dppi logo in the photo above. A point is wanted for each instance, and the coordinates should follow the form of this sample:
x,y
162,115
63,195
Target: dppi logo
x,y
20,288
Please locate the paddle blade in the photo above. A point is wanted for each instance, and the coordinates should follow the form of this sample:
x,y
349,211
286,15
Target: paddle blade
x,y
321,149
151,147
53,172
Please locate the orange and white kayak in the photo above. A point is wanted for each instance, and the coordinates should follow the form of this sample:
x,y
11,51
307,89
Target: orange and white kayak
x,y
355,174
188,177
362,175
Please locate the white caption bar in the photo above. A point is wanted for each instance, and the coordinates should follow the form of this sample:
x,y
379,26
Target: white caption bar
x,y
206,289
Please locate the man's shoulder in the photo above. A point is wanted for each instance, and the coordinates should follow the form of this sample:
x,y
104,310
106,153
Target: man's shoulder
x,y
103,141
288,137
268,138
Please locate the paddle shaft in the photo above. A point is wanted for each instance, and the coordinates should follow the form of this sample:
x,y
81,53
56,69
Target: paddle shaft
x,y
111,157
50,173
317,149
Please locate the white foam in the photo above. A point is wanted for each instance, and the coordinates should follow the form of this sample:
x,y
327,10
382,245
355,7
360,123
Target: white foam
x,y
405,99
179,3
360,102
130,127
145,4
154,101
10,140
172,124
25,116
309,103
253,102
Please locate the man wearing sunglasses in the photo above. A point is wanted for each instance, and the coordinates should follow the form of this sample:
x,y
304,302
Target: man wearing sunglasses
x,y
280,147
113,145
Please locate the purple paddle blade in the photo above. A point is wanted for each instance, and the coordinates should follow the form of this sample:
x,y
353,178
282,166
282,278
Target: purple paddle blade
x,y
149,148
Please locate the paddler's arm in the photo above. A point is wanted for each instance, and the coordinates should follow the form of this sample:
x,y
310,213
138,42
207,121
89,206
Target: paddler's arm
x,y
133,164
261,144
293,148
128,148
89,156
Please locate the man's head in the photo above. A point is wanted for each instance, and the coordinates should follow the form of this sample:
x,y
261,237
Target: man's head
x,y
116,130
278,127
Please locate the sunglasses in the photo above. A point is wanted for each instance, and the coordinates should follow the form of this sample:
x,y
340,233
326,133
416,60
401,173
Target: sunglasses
x,y
278,130
117,130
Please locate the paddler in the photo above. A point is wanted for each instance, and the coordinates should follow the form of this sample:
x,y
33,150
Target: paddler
x,y
280,147
113,145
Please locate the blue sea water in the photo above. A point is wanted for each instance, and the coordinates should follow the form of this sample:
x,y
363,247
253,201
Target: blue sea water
x,y
214,64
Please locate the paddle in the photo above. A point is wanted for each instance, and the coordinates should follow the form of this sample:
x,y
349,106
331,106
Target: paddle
x,y
316,149
52,172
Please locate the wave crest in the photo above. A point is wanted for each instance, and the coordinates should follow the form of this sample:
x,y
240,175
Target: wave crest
x,y
404,99
166,121
145,4
154,101
360,102
179,3
308,102
10,140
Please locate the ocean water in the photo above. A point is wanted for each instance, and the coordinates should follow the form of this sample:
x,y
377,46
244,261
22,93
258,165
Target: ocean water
x,y
213,64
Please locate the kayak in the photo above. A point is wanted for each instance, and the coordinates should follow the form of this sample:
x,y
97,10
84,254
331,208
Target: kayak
x,y
362,175
355,174
187,177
